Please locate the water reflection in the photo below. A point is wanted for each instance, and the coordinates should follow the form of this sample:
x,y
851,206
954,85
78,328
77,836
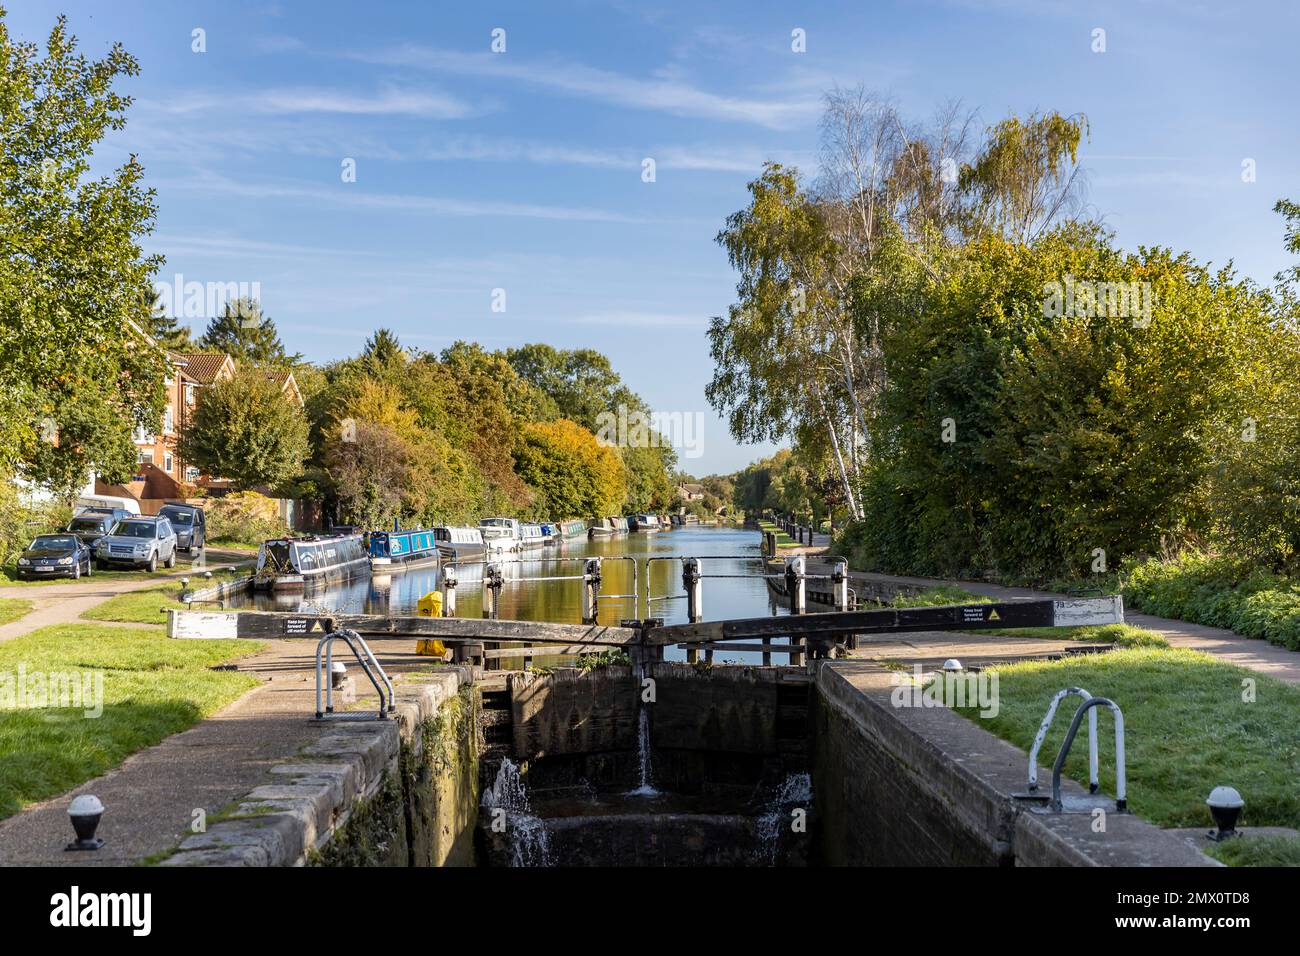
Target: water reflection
x,y
743,595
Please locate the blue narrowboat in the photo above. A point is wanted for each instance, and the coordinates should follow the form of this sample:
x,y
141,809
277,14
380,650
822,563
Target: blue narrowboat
x,y
398,550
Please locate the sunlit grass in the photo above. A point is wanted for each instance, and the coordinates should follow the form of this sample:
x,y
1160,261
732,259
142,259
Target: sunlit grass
x,y
152,687
1188,729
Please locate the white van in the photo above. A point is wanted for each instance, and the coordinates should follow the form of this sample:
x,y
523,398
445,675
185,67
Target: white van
x,y
105,502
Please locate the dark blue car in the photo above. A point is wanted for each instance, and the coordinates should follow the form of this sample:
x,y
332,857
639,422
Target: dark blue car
x,y
54,556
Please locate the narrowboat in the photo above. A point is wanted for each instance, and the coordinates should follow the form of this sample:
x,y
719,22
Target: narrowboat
x,y
643,522
457,543
500,534
677,520
607,527
292,564
398,550
573,529
665,523
550,532
531,536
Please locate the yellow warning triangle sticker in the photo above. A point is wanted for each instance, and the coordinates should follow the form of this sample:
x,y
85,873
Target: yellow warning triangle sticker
x,y
994,616
317,626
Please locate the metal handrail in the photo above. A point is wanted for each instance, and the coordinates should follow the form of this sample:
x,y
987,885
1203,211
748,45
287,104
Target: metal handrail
x,y
1047,724
349,636
651,597
1121,800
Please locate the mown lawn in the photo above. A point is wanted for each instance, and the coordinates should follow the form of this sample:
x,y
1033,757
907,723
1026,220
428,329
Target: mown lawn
x,y
1187,729
152,687
11,609
146,606
782,539
137,607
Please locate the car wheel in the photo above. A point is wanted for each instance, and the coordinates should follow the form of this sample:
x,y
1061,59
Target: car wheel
x,y
76,571
171,559
90,567
153,563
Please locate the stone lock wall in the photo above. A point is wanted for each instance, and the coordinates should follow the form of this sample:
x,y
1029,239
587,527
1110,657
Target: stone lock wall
x,y
399,792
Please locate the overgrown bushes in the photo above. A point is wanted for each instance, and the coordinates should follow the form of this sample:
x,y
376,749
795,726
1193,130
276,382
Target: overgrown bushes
x,y
244,517
20,523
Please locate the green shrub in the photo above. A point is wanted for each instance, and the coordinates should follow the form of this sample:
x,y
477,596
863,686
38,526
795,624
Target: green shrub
x,y
244,517
1219,592
19,523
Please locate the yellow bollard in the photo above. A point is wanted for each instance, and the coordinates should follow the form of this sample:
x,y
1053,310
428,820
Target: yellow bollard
x,y
430,606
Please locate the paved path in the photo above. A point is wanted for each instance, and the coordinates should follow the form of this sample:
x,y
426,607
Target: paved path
x,y
1248,652
65,603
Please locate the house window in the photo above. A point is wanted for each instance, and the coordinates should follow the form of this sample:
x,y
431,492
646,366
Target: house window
x,y
191,473
145,457
167,419
168,463
189,394
142,436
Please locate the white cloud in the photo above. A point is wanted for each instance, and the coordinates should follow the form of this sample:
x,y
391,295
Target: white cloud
x,y
351,196
665,94
389,102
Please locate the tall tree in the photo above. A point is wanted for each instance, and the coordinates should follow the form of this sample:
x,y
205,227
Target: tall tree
x,y
168,332
246,334
246,429
573,475
76,370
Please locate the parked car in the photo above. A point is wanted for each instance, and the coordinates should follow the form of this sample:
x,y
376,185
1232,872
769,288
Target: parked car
x,y
90,526
55,555
117,514
190,524
138,543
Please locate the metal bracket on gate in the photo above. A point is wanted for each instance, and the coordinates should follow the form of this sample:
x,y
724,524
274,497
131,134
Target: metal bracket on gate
x,y
369,664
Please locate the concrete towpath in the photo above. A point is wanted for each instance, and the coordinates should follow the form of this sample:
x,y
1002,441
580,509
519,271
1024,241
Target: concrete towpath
x,y
1251,653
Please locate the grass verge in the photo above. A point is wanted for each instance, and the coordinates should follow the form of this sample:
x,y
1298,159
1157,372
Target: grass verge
x,y
1190,725
1258,851
152,687
783,540
146,606
11,609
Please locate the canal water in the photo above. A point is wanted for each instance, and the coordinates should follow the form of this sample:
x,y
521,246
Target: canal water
x,y
733,553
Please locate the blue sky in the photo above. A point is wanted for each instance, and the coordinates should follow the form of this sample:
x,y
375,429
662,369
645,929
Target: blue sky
x,y
522,170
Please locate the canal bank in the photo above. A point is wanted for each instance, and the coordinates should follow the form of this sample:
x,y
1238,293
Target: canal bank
x,y
718,765
739,774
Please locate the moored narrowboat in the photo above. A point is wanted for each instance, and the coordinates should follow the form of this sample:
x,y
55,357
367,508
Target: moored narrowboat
x,y
292,564
643,522
500,534
607,527
459,543
531,535
397,550
576,528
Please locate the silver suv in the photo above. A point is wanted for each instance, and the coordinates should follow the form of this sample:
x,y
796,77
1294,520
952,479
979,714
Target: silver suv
x,y
138,542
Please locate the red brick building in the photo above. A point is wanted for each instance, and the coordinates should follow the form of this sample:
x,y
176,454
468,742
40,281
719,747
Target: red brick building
x,y
162,474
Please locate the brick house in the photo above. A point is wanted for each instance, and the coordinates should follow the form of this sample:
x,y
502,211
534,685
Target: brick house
x,y
161,473
690,491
